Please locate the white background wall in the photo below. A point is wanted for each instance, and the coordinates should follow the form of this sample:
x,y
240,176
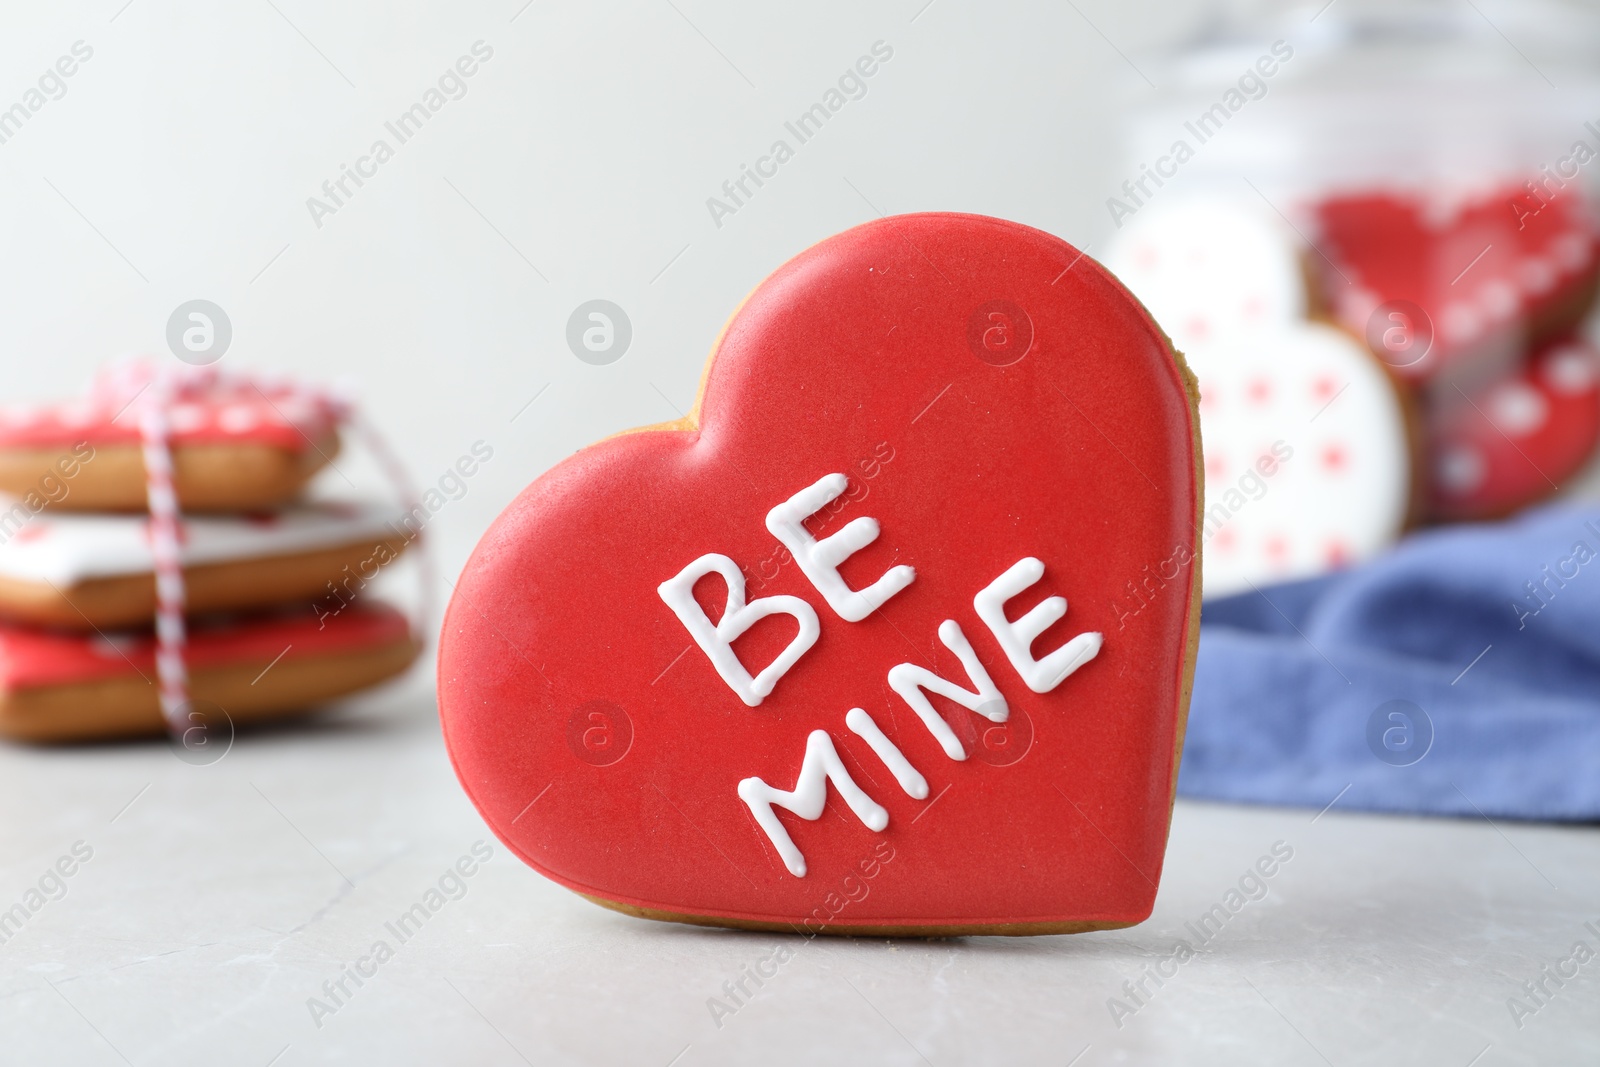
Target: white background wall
x,y
193,137
179,161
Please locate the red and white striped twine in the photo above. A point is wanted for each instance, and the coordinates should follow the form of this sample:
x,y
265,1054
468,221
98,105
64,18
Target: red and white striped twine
x,y
155,390
166,539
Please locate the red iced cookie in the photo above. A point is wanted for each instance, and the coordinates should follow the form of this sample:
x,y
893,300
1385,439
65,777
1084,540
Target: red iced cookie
x,y
57,686
211,408
1513,442
238,443
1486,274
661,691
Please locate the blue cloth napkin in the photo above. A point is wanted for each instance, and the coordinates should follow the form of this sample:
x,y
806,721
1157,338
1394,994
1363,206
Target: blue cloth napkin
x,y
1457,675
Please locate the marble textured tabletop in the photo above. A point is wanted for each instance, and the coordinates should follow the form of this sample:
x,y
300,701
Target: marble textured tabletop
x,y
212,912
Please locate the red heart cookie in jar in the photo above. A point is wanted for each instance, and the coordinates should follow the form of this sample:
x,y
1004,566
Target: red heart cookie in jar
x,y
841,650
1514,441
1456,286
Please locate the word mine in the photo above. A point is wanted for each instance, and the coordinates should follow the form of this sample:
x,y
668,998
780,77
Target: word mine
x,y
819,561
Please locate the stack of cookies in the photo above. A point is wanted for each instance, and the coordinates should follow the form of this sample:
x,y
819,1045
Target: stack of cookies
x,y
268,611
1385,360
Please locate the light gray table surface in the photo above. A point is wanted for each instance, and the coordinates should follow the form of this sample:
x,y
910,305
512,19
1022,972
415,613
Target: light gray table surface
x,y
219,899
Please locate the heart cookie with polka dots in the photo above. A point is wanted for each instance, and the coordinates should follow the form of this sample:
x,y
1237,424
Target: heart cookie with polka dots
x,y
1308,458
1514,441
1308,455
1210,268
1436,286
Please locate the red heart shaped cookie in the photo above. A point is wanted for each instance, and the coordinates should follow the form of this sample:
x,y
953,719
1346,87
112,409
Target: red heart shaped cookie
x,y
842,650
1513,442
1487,274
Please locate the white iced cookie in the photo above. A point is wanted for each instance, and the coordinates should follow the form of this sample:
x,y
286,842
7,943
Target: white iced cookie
x,y
1308,463
1210,268
82,570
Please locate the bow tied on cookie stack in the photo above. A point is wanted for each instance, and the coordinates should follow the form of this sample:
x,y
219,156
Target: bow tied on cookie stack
x,y
160,568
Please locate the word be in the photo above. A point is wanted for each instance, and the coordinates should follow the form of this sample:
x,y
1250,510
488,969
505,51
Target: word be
x,y
852,86
1567,568
1252,86
869,467
819,561
51,886
50,489
52,81
405,126
1537,990
1251,888
452,485
452,885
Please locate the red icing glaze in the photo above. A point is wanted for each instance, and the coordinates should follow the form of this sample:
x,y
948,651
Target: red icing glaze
x,y
1481,278
558,653
210,409
1513,442
31,659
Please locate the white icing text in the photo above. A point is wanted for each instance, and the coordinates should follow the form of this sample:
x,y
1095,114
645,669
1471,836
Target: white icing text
x,y
819,561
